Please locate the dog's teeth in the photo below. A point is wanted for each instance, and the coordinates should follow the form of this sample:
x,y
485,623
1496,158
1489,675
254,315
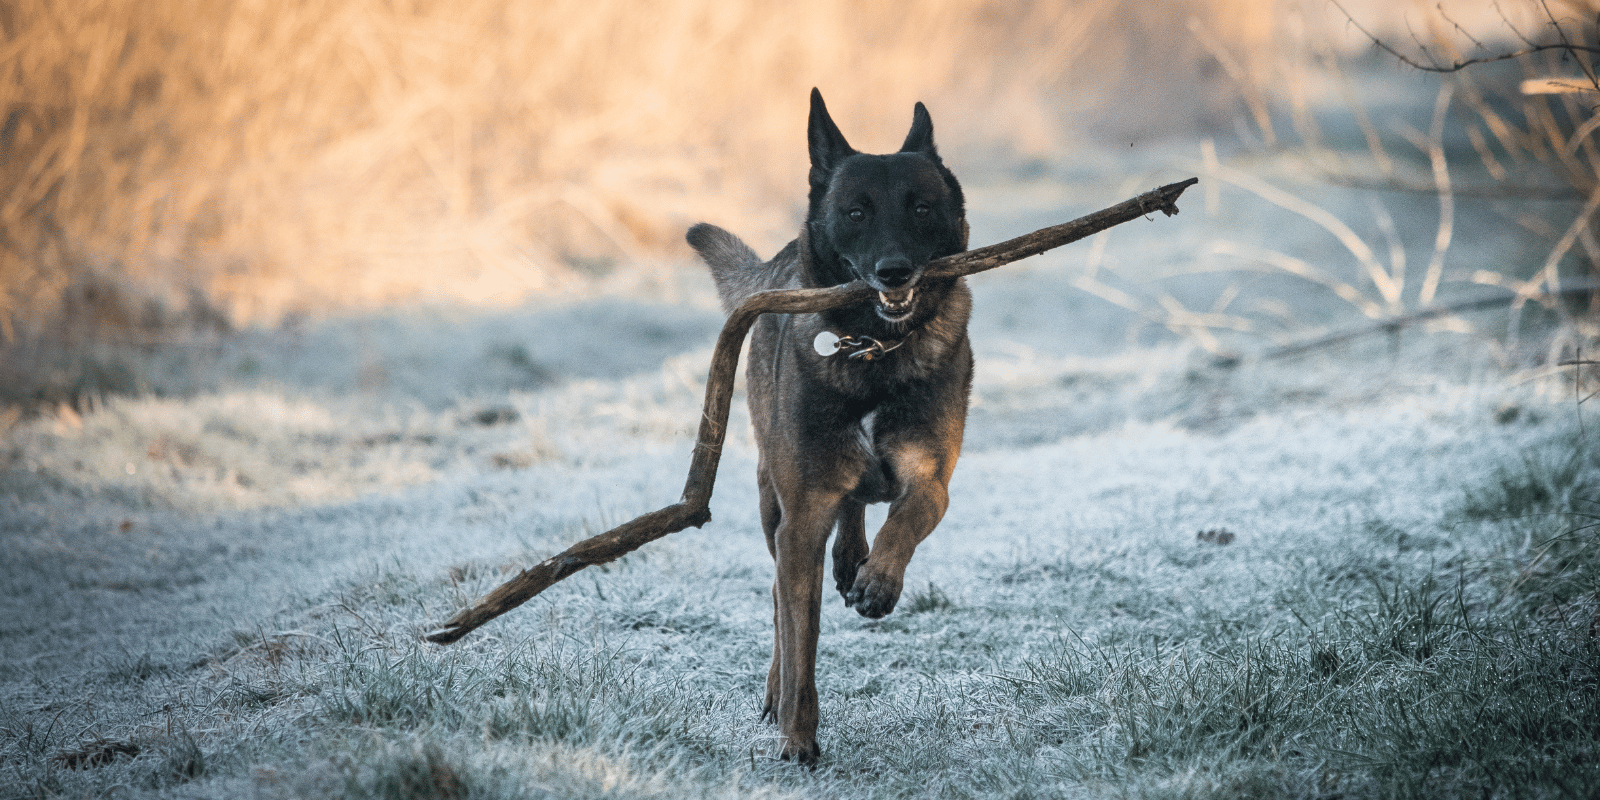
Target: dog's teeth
x,y
893,304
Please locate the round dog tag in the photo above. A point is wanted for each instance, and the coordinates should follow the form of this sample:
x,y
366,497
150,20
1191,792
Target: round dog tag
x,y
826,343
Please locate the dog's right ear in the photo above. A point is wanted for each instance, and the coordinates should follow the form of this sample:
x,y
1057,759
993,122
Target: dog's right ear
x,y
920,137
826,143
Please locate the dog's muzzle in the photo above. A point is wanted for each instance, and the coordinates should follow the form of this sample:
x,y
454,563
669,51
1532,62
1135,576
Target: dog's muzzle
x,y
896,282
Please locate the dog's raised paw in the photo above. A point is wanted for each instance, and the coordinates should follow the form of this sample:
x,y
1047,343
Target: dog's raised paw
x,y
873,595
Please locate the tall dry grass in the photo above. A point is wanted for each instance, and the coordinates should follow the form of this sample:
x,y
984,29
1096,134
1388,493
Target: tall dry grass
x,y
208,161
1542,129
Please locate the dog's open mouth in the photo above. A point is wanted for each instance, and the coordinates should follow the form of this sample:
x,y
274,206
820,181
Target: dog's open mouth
x,y
897,305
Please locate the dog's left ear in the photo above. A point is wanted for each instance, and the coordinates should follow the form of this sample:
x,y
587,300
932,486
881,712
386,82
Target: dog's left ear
x,y
920,139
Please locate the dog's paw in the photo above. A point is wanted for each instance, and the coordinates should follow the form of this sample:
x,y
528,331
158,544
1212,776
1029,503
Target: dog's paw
x,y
849,551
806,753
844,575
873,594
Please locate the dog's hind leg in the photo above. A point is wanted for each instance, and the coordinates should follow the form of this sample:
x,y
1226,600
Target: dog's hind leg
x,y
771,515
849,544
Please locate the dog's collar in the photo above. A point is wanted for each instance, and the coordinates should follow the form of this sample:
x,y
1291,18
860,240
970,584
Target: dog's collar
x,y
865,348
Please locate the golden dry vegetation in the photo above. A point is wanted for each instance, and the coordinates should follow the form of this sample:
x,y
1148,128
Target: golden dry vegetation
x,y
236,160
169,166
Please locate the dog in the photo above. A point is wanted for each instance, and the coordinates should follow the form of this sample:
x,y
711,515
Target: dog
x,y
861,404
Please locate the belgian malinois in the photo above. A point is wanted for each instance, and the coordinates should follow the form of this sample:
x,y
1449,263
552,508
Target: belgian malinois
x,y
858,405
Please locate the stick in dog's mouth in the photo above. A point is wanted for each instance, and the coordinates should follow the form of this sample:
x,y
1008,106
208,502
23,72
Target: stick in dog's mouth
x,y
897,305
695,508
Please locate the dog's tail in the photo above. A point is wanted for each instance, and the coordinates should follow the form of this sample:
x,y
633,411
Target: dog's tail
x,y
737,270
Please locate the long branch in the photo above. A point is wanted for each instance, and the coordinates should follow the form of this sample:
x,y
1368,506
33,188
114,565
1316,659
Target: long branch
x,y
1566,47
695,508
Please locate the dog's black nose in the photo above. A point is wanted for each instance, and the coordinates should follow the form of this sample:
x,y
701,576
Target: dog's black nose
x,y
893,272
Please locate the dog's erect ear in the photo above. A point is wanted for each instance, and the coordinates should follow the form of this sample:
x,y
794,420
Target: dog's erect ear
x,y
827,144
920,139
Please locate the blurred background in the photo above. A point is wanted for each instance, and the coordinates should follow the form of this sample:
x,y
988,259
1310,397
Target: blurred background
x,y
173,170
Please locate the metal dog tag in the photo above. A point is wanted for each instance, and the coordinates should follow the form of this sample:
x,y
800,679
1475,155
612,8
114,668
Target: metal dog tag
x,y
826,343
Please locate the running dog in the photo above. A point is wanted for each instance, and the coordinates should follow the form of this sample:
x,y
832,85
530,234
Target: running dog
x,y
858,405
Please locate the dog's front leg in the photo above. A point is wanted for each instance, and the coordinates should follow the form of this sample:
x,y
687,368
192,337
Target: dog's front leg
x,y
912,516
801,541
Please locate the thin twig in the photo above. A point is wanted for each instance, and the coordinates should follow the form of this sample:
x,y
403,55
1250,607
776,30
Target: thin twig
x,y
1577,387
1457,66
1463,31
694,510
1395,323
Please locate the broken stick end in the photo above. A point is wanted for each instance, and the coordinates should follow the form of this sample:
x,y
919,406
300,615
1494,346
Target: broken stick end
x,y
446,636
1171,191
455,629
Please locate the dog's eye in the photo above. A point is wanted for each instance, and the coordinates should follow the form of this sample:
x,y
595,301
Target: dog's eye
x,y
922,210
857,215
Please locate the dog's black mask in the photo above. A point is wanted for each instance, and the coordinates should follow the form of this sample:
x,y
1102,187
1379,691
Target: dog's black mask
x,y
881,219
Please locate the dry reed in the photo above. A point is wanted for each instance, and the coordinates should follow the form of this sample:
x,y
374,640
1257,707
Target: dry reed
x,y
244,159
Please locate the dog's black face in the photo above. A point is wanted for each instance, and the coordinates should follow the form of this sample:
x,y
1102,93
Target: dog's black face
x,y
882,218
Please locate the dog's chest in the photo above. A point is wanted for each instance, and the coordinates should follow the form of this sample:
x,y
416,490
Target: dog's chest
x,y
863,387
875,376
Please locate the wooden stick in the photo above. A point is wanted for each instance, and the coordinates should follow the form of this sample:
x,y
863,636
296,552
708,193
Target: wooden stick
x,y
695,508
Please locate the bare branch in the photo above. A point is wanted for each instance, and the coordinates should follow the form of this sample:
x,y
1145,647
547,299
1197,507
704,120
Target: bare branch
x,y
1464,63
1395,323
1567,45
1507,20
694,510
1456,66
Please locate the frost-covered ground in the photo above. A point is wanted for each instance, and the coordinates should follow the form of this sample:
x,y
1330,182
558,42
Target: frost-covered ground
x,y
232,580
